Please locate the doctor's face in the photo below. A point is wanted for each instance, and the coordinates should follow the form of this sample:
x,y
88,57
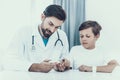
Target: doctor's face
x,y
87,38
50,25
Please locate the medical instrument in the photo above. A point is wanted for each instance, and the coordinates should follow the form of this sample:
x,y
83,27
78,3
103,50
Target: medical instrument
x,y
33,46
58,40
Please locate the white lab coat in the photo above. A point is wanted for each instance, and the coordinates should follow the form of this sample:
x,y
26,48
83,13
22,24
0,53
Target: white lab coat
x,y
20,55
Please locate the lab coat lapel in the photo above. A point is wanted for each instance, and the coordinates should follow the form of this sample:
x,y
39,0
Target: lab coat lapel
x,y
38,39
51,41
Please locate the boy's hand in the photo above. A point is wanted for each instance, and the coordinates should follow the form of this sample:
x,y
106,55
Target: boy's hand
x,y
63,65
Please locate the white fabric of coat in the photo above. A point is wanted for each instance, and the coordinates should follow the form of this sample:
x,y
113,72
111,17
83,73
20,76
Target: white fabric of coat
x,y
20,55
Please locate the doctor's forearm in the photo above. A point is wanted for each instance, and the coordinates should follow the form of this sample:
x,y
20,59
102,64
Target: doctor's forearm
x,y
40,67
34,68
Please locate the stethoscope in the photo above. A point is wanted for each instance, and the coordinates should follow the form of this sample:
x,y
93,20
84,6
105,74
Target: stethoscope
x,y
58,40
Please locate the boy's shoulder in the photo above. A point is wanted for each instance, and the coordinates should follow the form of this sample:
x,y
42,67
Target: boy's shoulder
x,y
76,48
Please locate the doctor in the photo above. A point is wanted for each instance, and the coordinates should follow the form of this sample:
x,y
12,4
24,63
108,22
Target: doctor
x,y
39,50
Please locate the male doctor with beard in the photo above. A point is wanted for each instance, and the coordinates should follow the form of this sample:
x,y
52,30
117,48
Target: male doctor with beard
x,y
39,50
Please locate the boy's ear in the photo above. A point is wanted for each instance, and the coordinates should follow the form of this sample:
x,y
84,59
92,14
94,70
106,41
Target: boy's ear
x,y
42,17
97,36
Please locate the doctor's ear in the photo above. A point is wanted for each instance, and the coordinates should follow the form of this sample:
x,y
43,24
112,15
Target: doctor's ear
x,y
42,16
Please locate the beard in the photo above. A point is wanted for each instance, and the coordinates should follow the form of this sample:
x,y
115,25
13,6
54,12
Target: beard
x,y
47,33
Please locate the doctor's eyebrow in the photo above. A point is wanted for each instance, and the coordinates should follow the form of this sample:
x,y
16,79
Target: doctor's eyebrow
x,y
51,24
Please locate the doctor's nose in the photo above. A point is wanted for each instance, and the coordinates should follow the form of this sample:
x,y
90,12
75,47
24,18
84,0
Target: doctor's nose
x,y
52,29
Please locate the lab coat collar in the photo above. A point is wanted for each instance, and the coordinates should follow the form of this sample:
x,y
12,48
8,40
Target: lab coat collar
x,y
39,40
38,37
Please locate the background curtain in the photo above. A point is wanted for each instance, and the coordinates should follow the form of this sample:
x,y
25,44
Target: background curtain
x,y
75,10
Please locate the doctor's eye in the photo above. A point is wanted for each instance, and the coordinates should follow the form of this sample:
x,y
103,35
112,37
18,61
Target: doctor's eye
x,y
57,27
51,24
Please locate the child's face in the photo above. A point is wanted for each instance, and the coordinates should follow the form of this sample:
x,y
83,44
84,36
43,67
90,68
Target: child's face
x,y
87,38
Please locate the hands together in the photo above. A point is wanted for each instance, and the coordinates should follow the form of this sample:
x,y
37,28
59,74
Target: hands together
x,y
47,66
63,65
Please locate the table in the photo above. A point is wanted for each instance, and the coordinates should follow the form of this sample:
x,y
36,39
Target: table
x,y
53,75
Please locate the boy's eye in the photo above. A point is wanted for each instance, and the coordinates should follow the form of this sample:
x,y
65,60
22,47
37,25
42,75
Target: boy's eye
x,y
81,36
88,36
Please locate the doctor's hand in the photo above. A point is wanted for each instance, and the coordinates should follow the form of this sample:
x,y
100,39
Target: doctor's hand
x,y
41,67
63,65
85,68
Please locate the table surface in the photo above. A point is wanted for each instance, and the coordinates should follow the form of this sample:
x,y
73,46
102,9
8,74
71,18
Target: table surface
x,y
53,75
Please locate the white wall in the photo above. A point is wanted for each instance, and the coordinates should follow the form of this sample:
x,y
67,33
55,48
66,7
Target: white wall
x,y
37,7
107,13
13,14
18,13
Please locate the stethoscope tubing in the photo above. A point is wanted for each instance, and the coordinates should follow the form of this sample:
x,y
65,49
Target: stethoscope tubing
x,y
33,41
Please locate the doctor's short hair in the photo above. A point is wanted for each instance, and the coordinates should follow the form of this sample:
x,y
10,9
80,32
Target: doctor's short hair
x,y
55,11
96,27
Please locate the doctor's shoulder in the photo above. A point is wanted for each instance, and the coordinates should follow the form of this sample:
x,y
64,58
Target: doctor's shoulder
x,y
22,34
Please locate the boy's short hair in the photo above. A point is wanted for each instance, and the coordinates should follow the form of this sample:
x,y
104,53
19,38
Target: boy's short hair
x,y
96,28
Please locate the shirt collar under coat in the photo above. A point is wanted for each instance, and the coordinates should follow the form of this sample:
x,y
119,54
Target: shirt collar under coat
x,y
39,41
